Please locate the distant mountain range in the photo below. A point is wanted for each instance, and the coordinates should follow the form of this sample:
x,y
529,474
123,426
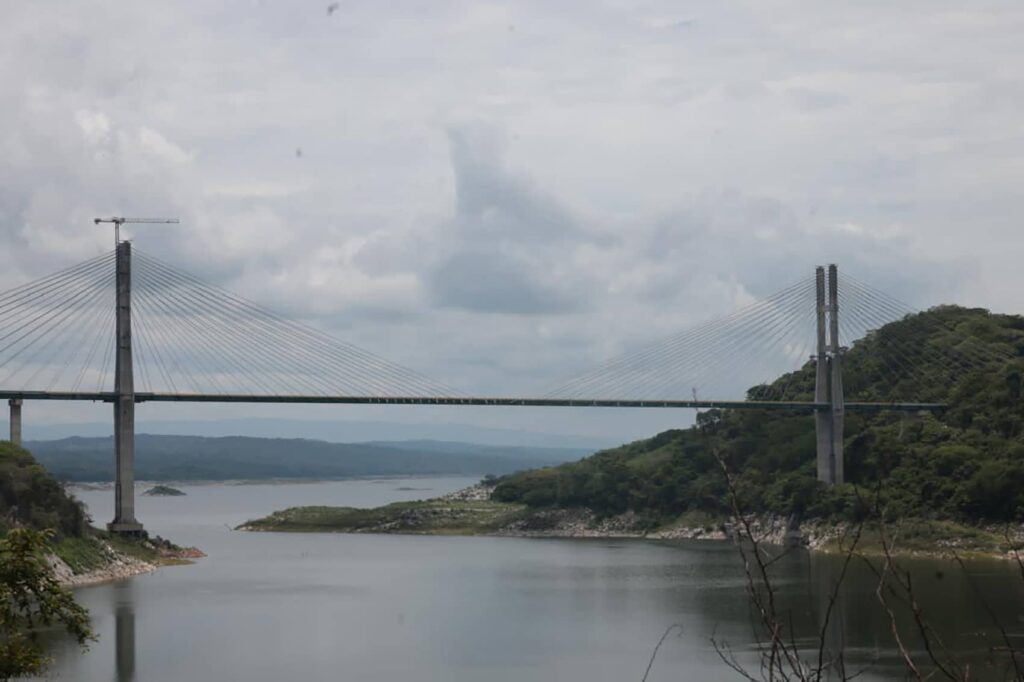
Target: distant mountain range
x,y
334,431
183,458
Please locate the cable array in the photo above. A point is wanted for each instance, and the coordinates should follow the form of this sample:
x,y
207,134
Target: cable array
x,y
193,337
925,352
771,339
51,329
716,359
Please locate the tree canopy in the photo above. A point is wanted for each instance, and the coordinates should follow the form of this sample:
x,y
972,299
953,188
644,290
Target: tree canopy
x,y
965,463
31,599
30,496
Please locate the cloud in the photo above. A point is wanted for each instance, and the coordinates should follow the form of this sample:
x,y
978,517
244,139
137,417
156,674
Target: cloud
x,y
509,246
809,99
493,202
490,281
627,171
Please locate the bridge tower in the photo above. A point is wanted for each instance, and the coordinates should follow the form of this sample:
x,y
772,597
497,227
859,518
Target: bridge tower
x,y
124,401
15,405
828,380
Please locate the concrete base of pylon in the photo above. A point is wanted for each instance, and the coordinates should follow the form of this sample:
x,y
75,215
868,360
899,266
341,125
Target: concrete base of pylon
x,y
130,528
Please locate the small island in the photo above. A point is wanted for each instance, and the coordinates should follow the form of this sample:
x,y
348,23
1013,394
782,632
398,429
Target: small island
x,y
164,490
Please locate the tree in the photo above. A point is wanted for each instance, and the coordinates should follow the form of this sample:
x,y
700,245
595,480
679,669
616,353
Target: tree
x,y
782,656
31,599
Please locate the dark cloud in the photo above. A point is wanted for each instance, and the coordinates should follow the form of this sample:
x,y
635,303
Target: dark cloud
x,y
494,282
493,203
509,247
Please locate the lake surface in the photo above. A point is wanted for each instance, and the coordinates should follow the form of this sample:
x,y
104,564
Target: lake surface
x,y
297,607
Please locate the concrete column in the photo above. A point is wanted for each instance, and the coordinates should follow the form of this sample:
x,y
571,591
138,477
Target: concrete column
x,y
15,404
822,418
124,402
837,412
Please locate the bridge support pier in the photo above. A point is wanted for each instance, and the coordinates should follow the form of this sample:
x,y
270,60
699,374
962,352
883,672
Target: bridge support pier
x,y
822,418
124,403
828,385
836,389
15,405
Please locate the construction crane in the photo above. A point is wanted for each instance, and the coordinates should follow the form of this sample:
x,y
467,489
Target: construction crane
x,y
118,222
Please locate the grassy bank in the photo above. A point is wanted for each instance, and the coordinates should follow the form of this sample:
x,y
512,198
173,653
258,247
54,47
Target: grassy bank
x,y
436,517
930,537
488,517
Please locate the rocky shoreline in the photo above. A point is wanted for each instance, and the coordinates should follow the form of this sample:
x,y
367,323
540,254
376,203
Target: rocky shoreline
x,y
119,565
471,511
815,535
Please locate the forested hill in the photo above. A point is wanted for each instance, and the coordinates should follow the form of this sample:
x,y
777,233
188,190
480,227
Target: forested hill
x,y
181,458
30,496
966,463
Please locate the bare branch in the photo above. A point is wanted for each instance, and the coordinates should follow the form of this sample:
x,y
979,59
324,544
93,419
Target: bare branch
x,y
1013,653
729,658
908,660
834,596
654,654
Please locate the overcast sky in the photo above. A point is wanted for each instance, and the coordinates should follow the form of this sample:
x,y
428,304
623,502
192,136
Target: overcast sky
x,y
501,195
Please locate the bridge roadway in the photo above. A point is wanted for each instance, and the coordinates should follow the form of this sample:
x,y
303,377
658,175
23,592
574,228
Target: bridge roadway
x,y
143,397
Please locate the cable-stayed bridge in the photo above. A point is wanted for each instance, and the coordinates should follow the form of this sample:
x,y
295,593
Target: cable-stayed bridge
x,y
126,327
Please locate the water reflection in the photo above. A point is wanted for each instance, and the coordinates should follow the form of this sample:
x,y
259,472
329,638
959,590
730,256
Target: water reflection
x,y
266,607
124,631
831,616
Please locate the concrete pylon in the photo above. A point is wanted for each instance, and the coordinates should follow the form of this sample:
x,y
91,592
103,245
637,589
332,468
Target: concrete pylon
x,y
15,405
828,380
124,402
836,360
822,418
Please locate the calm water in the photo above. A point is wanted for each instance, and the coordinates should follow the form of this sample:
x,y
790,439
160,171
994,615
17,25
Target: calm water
x,y
329,607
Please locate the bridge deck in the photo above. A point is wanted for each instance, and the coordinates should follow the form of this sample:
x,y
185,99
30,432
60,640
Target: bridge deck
x,y
108,396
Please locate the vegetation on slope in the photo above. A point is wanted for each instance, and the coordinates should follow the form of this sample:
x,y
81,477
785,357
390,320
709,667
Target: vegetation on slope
x,y
964,464
437,517
32,498
31,601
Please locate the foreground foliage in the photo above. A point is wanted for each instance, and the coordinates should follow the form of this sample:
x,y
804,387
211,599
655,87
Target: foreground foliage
x,y
31,600
964,464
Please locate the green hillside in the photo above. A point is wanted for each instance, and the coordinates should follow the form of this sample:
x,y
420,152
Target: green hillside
x,y
964,464
30,496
